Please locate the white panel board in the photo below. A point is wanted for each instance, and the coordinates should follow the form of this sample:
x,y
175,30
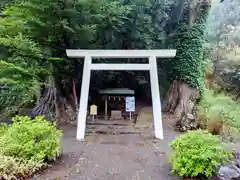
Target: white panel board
x,y
130,103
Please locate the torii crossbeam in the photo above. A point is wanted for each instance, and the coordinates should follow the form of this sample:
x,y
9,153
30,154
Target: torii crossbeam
x,y
151,66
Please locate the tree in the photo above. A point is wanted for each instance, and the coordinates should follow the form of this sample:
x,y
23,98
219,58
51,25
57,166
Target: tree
x,y
57,25
224,40
188,66
19,74
144,27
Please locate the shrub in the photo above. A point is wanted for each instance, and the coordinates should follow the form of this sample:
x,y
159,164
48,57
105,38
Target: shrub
x,y
31,139
198,153
15,168
218,108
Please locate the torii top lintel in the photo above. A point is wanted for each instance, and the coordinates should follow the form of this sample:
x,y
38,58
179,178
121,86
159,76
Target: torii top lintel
x,y
158,53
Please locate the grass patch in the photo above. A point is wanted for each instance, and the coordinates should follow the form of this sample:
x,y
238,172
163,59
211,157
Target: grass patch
x,y
219,113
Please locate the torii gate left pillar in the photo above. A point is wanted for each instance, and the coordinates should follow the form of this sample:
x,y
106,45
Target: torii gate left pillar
x,y
151,66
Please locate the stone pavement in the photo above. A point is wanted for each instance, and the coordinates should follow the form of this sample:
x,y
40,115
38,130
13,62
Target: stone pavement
x,y
113,157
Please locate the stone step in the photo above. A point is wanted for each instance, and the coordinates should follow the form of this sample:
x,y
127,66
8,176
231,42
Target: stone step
x,y
115,131
110,122
111,129
94,126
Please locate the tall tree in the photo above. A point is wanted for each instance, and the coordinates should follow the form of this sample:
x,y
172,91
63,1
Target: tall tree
x,y
223,44
188,66
57,25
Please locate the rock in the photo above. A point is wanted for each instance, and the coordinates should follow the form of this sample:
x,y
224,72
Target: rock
x,y
186,123
230,172
238,159
116,115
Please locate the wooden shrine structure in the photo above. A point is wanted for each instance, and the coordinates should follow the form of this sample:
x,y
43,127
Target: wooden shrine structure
x,y
116,93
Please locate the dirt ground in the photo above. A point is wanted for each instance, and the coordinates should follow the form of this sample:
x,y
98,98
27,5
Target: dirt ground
x,y
113,157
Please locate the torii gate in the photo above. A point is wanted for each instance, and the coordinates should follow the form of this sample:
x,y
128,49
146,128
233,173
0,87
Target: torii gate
x,y
150,66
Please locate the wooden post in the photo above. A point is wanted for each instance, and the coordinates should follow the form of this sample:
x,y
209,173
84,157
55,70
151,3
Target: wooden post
x,y
106,108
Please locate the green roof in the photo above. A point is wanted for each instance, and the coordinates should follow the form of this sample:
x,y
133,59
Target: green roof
x,y
119,91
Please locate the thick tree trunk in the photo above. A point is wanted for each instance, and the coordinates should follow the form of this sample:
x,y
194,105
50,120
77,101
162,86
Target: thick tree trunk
x,y
52,100
181,101
45,103
63,110
66,114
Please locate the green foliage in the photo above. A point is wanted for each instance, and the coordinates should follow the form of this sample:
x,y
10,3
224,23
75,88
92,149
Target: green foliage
x,y
25,145
142,27
5,3
223,35
35,34
52,27
189,62
14,168
188,66
198,153
31,139
219,106
19,72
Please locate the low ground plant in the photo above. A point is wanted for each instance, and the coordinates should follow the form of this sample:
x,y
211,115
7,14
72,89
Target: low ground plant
x,y
27,145
14,168
198,154
219,110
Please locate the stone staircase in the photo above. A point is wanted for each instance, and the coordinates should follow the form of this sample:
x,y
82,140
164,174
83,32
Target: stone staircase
x,y
112,127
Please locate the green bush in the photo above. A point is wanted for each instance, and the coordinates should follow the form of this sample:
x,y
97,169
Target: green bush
x,y
198,153
221,107
31,139
15,168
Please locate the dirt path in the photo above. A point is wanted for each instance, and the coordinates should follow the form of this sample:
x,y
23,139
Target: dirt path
x,y
113,157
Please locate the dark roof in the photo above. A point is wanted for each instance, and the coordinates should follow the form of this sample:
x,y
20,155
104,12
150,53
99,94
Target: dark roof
x,y
119,91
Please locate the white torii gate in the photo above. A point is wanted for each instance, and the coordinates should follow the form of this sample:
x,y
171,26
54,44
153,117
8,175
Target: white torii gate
x,y
150,66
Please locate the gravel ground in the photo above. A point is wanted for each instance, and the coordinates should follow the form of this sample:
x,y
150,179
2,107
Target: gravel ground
x,y
112,157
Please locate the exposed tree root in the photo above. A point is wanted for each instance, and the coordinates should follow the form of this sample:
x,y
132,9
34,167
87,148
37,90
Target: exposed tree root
x,y
44,105
52,100
181,101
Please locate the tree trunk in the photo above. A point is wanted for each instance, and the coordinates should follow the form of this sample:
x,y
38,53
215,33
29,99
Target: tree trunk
x,y
74,94
45,103
66,114
52,100
181,101
63,110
